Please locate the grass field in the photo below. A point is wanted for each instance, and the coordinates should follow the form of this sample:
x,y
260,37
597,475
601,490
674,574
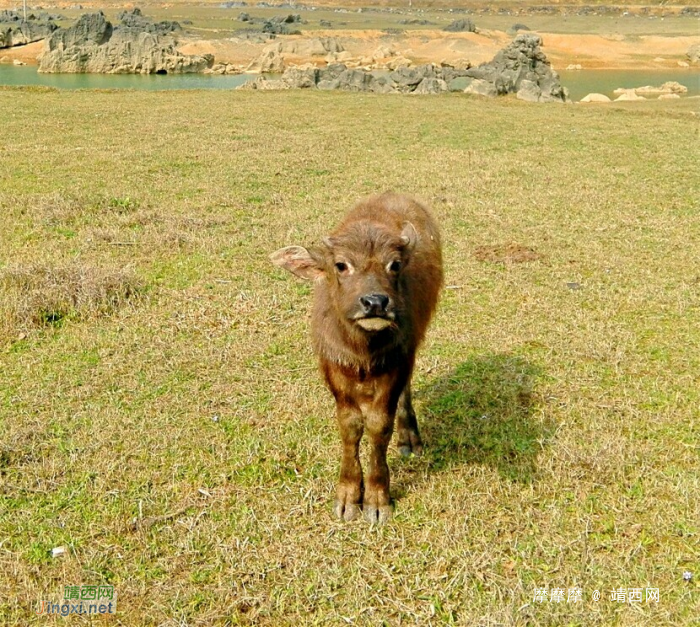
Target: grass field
x,y
160,412
211,21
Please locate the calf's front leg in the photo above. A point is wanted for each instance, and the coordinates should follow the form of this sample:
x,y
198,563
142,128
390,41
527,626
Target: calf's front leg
x,y
349,494
379,422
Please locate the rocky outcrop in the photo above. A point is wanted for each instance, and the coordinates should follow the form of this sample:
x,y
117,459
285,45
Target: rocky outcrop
x,y
134,19
513,30
137,46
520,68
15,31
461,26
277,25
224,68
274,56
270,61
669,87
693,54
424,79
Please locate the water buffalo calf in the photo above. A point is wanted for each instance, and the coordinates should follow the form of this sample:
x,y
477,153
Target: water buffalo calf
x,y
377,278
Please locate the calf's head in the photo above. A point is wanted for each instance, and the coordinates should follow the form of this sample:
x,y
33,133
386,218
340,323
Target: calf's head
x,y
362,266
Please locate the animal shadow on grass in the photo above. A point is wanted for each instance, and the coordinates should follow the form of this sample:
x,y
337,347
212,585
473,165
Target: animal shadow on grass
x,y
483,413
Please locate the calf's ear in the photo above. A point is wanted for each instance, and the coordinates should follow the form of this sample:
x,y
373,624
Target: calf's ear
x,y
298,261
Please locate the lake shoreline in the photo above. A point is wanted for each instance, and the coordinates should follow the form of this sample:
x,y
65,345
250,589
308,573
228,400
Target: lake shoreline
x,y
579,83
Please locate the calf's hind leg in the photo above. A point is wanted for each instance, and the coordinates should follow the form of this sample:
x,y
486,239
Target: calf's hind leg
x,y
408,438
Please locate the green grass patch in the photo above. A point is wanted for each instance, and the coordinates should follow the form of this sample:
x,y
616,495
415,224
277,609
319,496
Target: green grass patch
x,y
161,415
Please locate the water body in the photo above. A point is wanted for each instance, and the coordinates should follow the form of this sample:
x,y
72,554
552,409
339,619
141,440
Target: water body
x,y
579,83
583,82
27,75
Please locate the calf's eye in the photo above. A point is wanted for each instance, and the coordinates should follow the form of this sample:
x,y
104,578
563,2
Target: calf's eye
x,y
341,267
394,266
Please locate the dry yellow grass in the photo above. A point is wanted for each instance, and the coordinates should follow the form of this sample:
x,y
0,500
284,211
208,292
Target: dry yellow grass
x,y
39,295
182,447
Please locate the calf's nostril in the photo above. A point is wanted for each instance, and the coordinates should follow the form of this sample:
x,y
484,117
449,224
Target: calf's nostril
x,y
374,303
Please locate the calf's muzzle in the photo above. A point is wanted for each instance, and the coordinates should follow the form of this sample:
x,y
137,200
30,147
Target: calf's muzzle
x,y
374,304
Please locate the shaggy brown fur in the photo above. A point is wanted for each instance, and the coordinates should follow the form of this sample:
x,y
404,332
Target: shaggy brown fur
x,y
377,279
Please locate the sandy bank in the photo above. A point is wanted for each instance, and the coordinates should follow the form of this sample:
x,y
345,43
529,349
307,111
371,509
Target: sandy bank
x,y
590,51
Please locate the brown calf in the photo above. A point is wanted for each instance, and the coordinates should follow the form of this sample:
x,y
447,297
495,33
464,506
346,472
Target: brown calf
x,y
377,279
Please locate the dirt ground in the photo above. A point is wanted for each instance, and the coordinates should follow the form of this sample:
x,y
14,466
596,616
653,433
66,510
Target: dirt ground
x,y
590,51
638,38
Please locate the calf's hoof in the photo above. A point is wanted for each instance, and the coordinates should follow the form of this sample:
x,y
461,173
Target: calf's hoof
x,y
410,443
377,514
346,511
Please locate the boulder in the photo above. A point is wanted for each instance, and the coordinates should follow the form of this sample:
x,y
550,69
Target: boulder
x,y
516,27
355,80
94,45
415,21
449,74
136,20
300,78
461,26
595,98
328,84
263,84
693,54
669,87
431,85
90,29
14,31
522,60
223,68
269,61
396,63
481,88
629,94
408,78
274,56
315,47
277,28
382,85
461,64
529,91
384,52
279,25
668,96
